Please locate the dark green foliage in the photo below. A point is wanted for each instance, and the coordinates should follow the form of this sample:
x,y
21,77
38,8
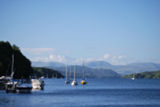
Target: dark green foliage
x,y
22,66
45,72
153,75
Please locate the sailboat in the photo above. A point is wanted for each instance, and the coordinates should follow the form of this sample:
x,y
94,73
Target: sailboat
x,y
4,80
83,82
17,86
11,85
74,82
133,78
67,81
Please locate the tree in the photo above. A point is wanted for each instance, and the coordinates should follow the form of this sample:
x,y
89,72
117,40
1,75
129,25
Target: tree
x,y
22,65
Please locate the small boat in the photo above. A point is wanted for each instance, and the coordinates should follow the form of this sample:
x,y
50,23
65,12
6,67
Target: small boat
x,y
74,82
83,82
10,87
17,86
67,81
4,80
133,78
38,84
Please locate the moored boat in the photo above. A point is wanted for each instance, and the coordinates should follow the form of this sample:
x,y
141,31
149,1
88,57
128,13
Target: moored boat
x,y
24,88
67,81
74,82
83,82
10,86
3,81
133,78
38,84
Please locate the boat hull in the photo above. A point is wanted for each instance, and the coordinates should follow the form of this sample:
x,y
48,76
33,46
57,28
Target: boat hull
x,y
37,84
23,89
83,82
74,83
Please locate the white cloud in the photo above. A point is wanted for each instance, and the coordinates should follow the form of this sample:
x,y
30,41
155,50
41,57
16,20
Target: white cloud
x,y
106,56
50,58
43,54
48,55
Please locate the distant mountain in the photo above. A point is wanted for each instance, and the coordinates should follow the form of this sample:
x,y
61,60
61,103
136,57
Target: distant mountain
x,y
125,69
137,67
99,64
120,69
47,64
89,72
151,75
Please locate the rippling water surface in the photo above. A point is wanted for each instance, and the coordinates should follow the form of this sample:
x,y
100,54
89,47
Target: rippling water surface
x,y
97,93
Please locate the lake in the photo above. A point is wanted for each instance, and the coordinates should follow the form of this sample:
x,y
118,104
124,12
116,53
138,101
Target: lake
x,y
97,93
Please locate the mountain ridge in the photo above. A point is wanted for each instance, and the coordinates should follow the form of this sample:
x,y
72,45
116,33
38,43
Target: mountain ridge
x,y
121,69
89,72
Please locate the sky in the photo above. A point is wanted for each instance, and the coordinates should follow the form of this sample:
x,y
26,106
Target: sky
x,y
71,31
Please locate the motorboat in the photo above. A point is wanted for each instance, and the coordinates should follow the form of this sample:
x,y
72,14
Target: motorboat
x,y
38,83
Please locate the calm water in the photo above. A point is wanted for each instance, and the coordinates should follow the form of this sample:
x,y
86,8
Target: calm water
x,y
97,93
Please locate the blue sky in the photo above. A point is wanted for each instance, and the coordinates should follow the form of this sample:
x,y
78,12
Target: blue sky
x,y
117,31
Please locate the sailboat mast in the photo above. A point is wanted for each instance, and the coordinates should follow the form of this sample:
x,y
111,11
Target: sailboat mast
x,y
12,67
74,72
70,73
83,71
66,72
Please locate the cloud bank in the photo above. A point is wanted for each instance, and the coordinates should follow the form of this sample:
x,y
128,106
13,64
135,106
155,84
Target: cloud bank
x,y
50,55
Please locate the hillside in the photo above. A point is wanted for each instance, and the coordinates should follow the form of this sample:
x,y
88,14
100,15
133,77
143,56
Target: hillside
x,y
120,69
89,72
151,75
22,65
125,69
45,72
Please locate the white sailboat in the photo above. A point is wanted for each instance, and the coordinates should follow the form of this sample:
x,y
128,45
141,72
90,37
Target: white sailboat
x,y
67,81
11,85
74,82
3,81
133,78
70,73
16,86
